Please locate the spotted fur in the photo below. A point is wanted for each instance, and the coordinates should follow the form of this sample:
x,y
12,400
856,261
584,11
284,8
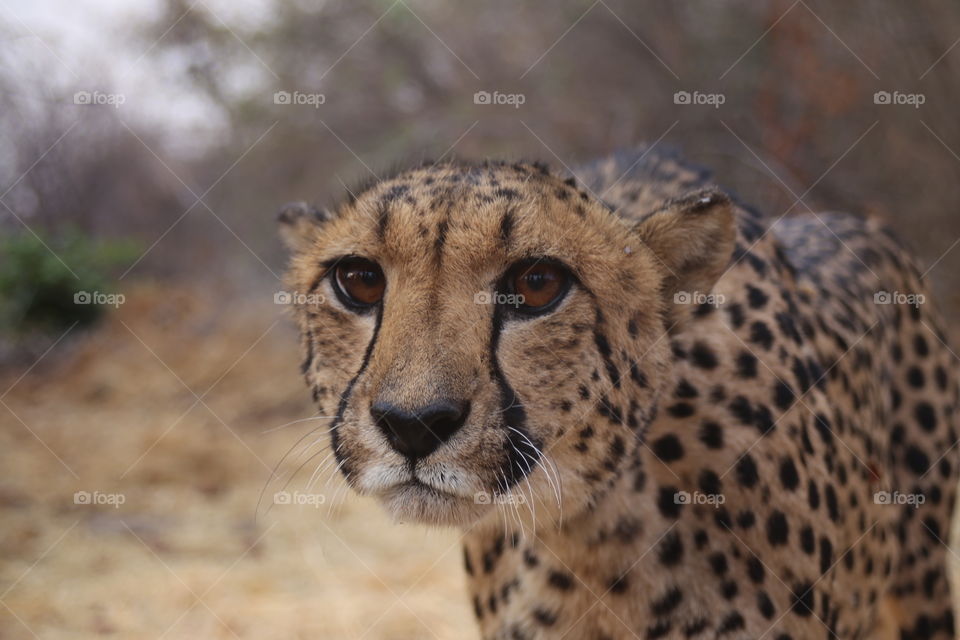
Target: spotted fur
x,y
705,470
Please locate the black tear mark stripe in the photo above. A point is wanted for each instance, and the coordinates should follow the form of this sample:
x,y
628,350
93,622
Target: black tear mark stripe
x,y
308,359
345,396
520,446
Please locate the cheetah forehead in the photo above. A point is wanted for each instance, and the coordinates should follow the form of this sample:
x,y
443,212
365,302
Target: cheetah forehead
x,y
473,213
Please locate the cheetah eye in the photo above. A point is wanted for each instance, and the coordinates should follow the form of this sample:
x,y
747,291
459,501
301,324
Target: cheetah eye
x,y
359,283
538,286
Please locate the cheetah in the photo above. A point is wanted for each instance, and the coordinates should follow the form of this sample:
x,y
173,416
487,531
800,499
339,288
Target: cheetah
x,y
651,411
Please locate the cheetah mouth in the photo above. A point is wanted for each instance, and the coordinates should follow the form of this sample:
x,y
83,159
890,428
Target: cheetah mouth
x,y
416,484
416,501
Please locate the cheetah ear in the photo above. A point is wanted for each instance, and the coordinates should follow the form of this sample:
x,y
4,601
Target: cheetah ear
x,y
300,224
692,238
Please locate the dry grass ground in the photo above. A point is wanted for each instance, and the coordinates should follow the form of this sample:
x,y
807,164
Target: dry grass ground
x,y
185,556
116,411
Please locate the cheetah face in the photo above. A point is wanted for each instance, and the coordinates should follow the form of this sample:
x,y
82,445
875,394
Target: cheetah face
x,y
488,337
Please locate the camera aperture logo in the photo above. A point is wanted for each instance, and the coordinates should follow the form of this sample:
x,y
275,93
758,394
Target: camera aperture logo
x,y
899,499
298,98
294,297
99,298
511,99
898,297
485,497
898,98
697,98
97,498
99,98
299,499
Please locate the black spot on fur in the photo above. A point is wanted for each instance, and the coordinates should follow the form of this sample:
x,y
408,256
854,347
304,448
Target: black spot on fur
x,y
681,410
619,584
668,503
926,416
711,434
765,605
668,602
802,600
777,529
747,471
916,460
603,346
760,334
670,550
733,622
755,570
746,365
383,219
788,474
685,389
560,580
783,395
441,238
703,356
756,297
544,617
668,448
506,227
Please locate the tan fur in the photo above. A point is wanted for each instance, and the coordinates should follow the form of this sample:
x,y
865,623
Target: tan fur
x,y
631,397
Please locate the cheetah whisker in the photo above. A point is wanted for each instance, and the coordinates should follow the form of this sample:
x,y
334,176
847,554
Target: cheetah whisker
x,y
341,489
284,426
542,461
316,472
273,472
298,469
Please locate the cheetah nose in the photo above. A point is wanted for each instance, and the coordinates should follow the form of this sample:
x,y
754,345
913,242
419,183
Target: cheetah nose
x,y
417,433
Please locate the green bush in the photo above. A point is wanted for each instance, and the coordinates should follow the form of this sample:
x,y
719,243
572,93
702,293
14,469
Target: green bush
x,y
40,277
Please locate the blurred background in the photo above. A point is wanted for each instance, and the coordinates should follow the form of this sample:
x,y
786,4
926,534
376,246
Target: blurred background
x,y
148,376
